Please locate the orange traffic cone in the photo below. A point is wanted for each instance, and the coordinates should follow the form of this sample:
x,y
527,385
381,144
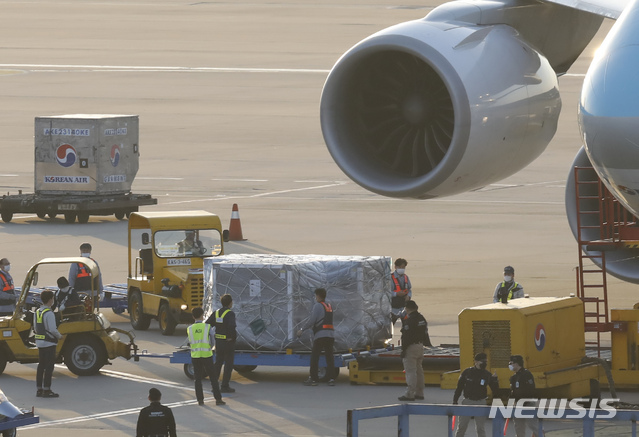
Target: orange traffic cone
x,y
235,228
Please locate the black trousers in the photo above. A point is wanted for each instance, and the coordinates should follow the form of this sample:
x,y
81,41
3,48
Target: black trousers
x,y
224,355
325,344
201,368
46,361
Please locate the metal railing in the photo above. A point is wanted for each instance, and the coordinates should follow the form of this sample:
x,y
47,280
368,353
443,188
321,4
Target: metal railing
x,y
404,411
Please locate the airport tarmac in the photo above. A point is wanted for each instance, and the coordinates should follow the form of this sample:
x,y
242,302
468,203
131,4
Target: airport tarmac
x,y
228,98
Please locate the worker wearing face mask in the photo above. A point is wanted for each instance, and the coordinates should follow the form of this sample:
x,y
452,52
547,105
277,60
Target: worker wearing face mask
x,y
401,289
522,386
80,276
8,294
508,289
474,383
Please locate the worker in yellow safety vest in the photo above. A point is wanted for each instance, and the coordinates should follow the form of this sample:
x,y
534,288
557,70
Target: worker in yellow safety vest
x,y
508,289
200,339
46,339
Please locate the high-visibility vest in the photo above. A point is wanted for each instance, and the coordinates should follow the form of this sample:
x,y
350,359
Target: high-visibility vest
x,y
199,340
40,330
510,291
82,279
399,301
327,320
7,282
220,332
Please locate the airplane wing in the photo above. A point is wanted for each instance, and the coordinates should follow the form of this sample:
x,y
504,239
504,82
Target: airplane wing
x,y
606,8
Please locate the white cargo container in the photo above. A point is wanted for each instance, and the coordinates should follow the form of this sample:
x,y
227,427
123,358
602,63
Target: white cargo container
x,y
86,153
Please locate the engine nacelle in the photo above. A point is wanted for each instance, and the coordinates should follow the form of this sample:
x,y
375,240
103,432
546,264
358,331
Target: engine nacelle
x,y
622,263
427,109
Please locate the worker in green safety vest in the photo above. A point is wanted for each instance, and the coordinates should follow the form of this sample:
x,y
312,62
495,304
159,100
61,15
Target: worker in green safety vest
x,y
201,342
508,289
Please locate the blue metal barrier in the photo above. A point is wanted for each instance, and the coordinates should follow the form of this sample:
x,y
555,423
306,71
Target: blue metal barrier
x,y
404,411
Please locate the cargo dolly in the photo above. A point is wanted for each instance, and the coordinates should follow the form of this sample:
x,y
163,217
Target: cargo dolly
x,y
247,361
386,367
73,206
8,424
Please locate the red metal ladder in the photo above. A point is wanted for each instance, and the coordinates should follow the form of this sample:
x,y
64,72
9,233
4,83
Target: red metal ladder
x,y
593,199
609,225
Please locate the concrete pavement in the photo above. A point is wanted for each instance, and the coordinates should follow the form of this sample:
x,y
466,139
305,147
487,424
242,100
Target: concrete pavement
x,y
228,96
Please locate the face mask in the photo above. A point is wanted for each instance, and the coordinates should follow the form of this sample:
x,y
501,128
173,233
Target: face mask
x,y
86,255
7,267
400,271
483,365
511,367
508,278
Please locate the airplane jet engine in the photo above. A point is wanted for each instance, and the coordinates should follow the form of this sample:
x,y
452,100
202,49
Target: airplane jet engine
x,y
462,98
622,263
426,109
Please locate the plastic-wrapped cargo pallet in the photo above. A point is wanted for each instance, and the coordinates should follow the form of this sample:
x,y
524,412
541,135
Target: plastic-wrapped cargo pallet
x,y
273,296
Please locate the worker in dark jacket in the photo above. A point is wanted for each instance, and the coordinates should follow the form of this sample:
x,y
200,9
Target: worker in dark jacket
x,y
522,386
223,320
414,335
321,321
156,420
474,383
66,296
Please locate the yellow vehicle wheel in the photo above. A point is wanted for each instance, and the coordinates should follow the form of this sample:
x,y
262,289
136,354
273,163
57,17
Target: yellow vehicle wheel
x,y
167,322
139,320
84,355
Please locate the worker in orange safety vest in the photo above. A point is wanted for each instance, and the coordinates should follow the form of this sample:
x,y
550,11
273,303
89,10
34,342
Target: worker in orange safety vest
x,y
321,320
80,277
8,295
401,289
